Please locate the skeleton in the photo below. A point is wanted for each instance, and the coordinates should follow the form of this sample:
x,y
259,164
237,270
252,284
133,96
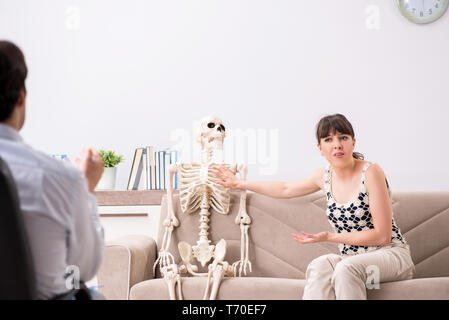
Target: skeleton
x,y
199,191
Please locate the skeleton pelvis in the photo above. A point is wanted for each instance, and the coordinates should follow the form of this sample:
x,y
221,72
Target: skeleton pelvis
x,y
203,251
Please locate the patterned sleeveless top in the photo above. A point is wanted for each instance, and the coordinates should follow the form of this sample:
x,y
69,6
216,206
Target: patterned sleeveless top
x,y
354,216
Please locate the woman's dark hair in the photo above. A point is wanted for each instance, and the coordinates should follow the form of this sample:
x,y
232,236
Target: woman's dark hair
x,y
331,124
13,72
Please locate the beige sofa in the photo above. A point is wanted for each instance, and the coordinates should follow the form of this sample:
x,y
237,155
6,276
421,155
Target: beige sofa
x,y
278,262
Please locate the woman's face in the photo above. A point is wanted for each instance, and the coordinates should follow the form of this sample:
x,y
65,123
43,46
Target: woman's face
x,y
337,148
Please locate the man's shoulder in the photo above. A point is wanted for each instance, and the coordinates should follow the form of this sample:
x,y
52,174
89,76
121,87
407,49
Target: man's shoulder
x,y
63,170
26,158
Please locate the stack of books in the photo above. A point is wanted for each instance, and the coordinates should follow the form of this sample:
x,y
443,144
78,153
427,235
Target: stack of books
x,y
150,167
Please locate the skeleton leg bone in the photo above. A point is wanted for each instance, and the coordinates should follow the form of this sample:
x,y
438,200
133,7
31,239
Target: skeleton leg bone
x,y
178,281
206,292
223,269
217,270
218,274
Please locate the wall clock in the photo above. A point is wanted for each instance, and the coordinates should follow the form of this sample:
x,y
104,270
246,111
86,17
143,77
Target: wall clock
x,y
422,11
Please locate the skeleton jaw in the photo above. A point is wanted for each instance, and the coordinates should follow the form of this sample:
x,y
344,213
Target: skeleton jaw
x,y
214,143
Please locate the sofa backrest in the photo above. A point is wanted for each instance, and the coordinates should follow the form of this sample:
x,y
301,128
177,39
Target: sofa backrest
x,y
423,218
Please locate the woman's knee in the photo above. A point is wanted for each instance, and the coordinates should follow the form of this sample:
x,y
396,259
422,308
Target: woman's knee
x,y
346,269
322,265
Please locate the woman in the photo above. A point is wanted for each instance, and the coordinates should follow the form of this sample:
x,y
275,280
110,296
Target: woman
x,y
372,248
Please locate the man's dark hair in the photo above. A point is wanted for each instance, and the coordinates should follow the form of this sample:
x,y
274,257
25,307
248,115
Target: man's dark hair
x,y
13,72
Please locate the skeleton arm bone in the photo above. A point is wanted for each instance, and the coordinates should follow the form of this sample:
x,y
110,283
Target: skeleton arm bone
x,y
172,169
242,217
165,258
244,220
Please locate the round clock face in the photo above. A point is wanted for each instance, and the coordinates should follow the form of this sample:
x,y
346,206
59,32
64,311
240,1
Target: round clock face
x,y
422,11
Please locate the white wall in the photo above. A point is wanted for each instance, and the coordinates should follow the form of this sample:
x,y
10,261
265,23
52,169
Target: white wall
x,y
124,74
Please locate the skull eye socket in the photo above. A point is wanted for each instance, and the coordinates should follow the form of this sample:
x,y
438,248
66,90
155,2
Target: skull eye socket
x,y
211,125
222,127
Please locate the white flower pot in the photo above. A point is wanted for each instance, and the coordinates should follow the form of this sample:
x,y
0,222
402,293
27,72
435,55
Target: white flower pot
x,y
107,181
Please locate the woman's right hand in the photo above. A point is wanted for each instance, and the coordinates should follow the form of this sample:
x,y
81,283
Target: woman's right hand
x,y
228,179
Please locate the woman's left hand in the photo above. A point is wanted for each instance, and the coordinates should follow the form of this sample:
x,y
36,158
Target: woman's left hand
x,y
310,238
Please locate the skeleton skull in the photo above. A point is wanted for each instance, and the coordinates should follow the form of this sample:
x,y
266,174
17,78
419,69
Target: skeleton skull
x,y
210,133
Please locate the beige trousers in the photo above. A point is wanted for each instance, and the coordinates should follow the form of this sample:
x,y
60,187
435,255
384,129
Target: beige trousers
x,y
333,276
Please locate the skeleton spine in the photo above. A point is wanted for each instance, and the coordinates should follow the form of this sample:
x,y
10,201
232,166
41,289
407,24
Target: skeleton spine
x,y
206,156
204,216
205,199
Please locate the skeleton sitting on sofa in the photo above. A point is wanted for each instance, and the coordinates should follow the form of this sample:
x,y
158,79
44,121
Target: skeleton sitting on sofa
x,y
199,191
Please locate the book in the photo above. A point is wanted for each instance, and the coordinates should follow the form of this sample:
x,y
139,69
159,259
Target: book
x,y
136,170
152,161
167,162
148,167
162,169
156,170
144,179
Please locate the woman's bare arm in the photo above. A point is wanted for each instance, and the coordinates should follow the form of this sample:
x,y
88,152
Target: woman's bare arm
x,y
276,189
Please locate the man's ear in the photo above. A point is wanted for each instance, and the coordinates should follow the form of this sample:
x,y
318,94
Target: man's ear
x,y
22,98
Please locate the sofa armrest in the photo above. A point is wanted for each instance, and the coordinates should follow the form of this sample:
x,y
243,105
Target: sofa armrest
x,y
126,261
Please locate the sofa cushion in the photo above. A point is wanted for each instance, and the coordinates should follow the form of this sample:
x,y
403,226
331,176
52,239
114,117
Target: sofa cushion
x,y
244,288
414,289
260,288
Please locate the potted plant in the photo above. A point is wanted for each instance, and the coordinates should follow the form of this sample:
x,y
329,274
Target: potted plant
x,y
110,160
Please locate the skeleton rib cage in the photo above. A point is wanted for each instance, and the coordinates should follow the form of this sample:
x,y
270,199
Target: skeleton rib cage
x,y
191,182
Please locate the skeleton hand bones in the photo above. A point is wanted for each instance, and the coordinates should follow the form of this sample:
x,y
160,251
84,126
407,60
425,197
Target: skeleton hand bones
x,y
165,258
172,278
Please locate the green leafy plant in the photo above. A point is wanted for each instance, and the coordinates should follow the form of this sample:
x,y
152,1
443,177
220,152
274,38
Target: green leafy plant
x,y
110,159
